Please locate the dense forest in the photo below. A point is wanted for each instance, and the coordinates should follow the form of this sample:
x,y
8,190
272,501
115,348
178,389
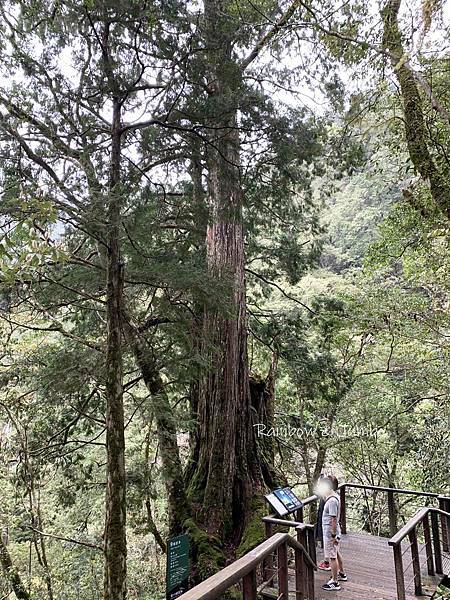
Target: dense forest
x,y
224,268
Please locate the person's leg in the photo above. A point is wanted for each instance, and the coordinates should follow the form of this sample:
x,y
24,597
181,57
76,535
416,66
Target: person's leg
x,y
324,565
340,562
342,576
334,569
331,552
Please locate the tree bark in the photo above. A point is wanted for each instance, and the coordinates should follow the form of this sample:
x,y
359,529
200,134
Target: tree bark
x,y
115,518
178,504
262,394
227,471
11,574
415,127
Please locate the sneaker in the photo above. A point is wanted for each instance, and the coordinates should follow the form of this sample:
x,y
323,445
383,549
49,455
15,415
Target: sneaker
x,y
324,566
331,586
342,576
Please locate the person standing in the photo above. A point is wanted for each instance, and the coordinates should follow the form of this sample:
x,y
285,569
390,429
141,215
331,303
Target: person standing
x,y
332,533
324,565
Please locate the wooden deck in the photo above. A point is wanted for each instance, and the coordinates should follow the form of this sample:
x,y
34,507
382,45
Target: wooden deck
x,y
369,564
368,561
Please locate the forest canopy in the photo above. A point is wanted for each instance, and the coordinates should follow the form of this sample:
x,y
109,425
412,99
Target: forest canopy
x,y
217,218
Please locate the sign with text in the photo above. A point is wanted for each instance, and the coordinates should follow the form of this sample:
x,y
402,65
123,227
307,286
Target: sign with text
x,y
177,571
284,501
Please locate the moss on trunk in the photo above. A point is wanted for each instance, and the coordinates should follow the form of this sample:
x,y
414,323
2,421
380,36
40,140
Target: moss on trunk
x,y
254,532
415,126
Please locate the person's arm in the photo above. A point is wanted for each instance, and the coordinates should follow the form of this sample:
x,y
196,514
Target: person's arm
x,y
333,526
333,510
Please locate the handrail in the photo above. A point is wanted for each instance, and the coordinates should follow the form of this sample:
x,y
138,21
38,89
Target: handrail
x,y
303,526
409,526
427,518
310,499
391,492
219,582
379,488
394,490
441,512
287,523
415,520
282,522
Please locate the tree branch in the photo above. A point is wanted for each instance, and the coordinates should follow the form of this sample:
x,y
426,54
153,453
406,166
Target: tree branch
x,y
65,539
280,289
271,34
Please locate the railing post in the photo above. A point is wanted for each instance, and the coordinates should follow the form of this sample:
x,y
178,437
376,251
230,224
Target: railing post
x,y
267,567
302,539
310,582
392,513
412,535
311,546
399,577
428,544
436,542
343,509
300,515
306,537
283,579
444,504
300,574
249,590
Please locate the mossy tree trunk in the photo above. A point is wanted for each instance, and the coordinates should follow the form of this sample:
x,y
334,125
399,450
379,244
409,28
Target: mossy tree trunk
x,y
115,543
11,574
415,127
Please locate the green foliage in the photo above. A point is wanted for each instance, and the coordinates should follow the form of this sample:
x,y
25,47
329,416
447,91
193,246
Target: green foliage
x,y
346,255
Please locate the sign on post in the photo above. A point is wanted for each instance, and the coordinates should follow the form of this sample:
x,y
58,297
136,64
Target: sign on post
x,y
284,501
177,570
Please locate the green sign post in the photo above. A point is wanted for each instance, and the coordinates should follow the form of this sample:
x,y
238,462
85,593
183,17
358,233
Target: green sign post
x,y
177,573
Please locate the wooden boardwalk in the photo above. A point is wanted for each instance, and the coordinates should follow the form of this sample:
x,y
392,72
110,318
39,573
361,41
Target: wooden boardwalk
x,y
369,564
368,561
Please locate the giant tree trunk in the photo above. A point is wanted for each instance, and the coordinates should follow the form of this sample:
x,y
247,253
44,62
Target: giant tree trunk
x,y
227,472
115,525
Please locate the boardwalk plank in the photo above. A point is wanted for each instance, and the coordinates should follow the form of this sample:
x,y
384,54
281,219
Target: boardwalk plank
x,y
369,564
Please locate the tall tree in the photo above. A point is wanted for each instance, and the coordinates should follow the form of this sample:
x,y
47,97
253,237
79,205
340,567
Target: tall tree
x,y
227,474
116,510
227,467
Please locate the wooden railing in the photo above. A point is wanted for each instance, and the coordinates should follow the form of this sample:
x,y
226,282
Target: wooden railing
x,y
258,566
382,506
426,533
306,538
267,566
